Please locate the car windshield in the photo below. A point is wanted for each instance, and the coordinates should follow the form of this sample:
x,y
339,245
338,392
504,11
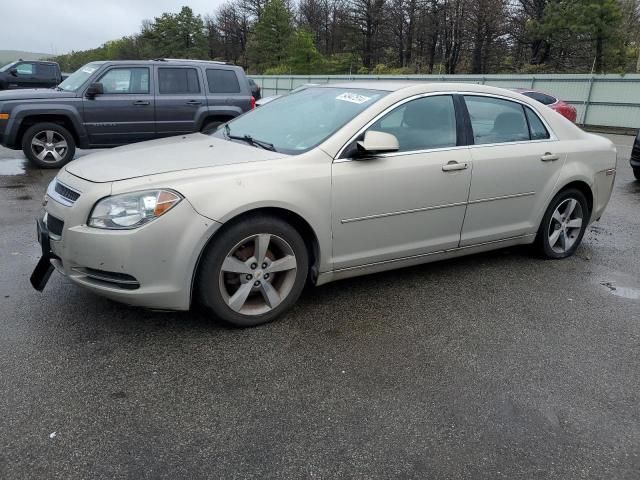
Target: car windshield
x,y
7,66
79,77
297,123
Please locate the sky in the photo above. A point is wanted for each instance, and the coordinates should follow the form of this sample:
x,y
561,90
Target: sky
x,y
59,26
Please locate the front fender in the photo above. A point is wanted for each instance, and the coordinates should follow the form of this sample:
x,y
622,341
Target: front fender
x,y
20,112
300,184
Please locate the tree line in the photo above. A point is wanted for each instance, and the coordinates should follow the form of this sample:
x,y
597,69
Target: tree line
x,y
392,36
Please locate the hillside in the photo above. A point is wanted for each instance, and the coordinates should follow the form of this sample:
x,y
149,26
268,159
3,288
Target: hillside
x,y
7,56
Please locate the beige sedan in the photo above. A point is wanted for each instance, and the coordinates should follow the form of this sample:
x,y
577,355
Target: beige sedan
x,y
333,182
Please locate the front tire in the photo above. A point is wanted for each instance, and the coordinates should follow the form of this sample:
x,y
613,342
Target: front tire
x,y
563,224
253,271
48,145
636,173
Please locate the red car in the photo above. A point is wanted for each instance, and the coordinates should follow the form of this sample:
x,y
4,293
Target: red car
x,y
563,108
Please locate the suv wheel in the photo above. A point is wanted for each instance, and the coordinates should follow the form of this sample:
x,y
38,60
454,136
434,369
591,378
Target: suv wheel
x,y
563,225
48,145
253,271
210,127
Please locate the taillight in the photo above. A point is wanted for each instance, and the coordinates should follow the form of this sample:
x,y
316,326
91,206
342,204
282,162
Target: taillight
x,y
253,103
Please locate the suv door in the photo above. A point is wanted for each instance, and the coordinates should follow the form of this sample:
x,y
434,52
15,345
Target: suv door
x,y
180,100
407,203
226,89
125,112
516,163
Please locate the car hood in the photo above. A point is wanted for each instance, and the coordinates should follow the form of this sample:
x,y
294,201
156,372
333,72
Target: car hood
x,y
33,94
165,155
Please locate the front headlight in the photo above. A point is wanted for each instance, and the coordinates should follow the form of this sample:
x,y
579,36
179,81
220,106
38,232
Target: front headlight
x,y
132,210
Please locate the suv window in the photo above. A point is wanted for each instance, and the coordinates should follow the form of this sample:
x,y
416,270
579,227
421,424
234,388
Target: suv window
x,y
25,69
495,120
536,127
126,80
541,97
421,124
46,71
222,81
178,81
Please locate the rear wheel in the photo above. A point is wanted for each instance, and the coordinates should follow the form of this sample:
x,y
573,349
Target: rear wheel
x,y
636,173
253,271
48,145
563,224
210,127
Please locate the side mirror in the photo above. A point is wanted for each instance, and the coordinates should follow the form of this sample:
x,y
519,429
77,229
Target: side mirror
x,y
13,71
378,142
94,89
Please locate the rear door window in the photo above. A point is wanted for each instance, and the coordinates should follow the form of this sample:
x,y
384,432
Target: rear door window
x,y
222,81
46,71
495,120
178,81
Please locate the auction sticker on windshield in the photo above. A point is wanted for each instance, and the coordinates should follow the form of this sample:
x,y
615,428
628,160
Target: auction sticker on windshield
x,y
88,70
352,97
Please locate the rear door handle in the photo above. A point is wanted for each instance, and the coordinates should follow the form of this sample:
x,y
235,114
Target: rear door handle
x,y
452,166
141,102
194,102
549,157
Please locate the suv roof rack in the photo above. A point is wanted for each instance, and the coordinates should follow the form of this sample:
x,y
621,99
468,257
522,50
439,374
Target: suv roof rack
x,y
187,60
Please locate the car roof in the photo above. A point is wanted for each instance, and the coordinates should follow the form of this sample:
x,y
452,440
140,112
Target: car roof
x,y
417,87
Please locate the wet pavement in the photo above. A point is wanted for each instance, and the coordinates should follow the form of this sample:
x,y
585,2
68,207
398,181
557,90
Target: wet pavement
x,y
498,365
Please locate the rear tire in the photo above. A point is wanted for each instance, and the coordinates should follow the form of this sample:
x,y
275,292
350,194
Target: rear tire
x,y
253,271
563,224
636,173
210,127
48,145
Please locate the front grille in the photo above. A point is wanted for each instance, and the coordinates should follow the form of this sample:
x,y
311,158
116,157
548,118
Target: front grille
x,y
54,225
66,192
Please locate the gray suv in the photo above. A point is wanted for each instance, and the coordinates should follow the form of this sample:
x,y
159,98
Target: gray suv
x,y
107,104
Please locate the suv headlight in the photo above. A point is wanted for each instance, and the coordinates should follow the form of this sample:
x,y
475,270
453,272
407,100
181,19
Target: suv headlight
x,y
132,210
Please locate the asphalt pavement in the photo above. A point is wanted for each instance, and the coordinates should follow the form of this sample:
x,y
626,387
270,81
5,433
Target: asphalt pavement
x,y
499,365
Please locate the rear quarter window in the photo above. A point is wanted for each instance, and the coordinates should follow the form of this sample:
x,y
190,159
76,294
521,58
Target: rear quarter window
x,y
536,127
222,81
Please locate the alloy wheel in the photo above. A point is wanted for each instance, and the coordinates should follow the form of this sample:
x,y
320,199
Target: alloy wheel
x,y
49,146
258,274
565,225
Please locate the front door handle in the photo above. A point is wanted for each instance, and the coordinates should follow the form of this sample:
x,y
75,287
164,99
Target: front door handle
x,y
549,157
194,102
141,102
452,166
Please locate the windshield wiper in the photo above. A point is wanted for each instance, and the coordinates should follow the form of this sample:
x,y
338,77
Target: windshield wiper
x,y
249,139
